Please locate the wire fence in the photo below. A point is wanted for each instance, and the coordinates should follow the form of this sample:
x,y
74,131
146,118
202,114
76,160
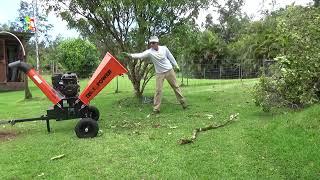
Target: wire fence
x,y
217,73
220,73
223,72
199,73
189,75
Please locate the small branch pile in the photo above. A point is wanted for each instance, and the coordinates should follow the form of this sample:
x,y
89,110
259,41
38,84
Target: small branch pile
x,y
195,132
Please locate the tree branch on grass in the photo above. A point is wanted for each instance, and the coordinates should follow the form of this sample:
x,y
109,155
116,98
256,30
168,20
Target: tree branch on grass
x,y
195,132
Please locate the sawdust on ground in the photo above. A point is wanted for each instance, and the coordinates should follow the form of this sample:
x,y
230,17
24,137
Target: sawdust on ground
x,y
5,136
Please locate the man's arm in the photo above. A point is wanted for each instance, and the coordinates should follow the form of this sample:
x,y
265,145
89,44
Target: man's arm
x,y
142,55
170,57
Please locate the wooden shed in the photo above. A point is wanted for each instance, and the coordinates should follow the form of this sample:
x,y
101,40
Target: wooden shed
x,y
10,51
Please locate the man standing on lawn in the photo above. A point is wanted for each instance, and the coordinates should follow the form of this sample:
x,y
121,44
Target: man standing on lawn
x,y
163,60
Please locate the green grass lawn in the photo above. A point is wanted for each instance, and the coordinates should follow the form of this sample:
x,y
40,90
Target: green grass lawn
x,y
133,145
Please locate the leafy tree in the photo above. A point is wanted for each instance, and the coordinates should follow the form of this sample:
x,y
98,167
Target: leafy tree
x,y
28,9
78,56
295,82
258,42
181,40
206,52
41,37
50,56
47,51
125,25
4,27
231,20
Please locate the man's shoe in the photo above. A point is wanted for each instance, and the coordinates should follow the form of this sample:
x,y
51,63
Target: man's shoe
x,y
184,106
155,111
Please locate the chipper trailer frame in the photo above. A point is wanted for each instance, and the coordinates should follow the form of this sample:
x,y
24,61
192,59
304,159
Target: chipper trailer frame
x,y
67,103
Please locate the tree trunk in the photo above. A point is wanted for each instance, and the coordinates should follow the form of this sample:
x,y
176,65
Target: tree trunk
x,y
138,94
139,74
137,90
27,92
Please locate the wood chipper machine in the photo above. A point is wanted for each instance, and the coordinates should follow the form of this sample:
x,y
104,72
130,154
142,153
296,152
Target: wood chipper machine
x,y
64,94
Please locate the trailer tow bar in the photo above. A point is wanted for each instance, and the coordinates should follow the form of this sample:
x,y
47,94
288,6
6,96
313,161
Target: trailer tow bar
x,y
14,121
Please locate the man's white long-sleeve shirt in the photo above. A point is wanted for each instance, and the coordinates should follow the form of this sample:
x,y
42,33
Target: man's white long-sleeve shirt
x,y
162,59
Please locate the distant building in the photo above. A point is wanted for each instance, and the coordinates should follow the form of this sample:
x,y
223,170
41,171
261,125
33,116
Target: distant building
x,y
10,51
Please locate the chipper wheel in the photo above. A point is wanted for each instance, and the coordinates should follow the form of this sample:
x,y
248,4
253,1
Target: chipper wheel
x,y
87,128
93,113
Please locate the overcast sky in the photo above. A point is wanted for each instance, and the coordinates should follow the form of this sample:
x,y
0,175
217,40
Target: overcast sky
x,y
253,7
9,12
9,8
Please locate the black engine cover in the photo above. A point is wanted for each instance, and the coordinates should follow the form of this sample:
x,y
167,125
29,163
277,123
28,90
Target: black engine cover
x,y
67,84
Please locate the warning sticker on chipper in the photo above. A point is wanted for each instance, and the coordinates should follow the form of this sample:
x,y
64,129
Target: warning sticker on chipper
x,y
37,79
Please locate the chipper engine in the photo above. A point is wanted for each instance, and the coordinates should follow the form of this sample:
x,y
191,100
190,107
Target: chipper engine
x,y
64,94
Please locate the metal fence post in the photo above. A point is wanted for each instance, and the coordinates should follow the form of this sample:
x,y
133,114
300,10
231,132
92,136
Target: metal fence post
x,y
263,67
117,89
188,76
240,72
182,70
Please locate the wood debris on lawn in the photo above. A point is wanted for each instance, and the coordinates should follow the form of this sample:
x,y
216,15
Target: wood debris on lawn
x,y
209,116
232,118
58,157
156,125
42,174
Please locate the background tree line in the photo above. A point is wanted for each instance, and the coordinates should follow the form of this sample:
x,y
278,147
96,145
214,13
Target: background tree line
x,y
230,39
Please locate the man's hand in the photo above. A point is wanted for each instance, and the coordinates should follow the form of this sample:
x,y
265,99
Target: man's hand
x,y
125,54
177,68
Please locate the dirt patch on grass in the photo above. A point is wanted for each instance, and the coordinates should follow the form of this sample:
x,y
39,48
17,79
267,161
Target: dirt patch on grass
x,y
5,136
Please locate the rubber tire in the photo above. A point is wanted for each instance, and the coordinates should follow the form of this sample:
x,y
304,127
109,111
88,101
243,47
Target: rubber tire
x,y
93,113
89,125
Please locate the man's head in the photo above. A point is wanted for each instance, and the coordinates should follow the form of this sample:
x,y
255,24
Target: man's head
x,y
154,42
